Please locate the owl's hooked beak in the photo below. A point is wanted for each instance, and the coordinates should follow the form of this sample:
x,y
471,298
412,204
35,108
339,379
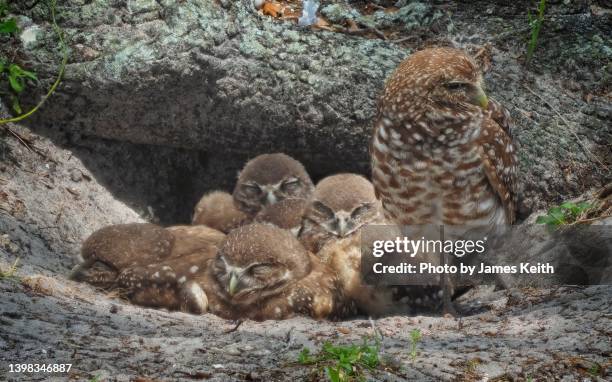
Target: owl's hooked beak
x,y
232,287
342,226
480,97
269,197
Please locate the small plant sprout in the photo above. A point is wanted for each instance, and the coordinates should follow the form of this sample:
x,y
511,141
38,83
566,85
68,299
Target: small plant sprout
x,y
343,363
15,77
8,26
595,370
415,338
10,273
566,213
535,23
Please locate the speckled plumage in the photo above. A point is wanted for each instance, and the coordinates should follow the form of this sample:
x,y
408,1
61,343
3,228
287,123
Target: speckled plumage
x,y
441,152
172,283
340,205
438,156
111,249
218,210
268,179
263,272
286,214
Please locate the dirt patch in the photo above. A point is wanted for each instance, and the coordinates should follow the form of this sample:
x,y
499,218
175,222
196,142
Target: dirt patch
x,y
46,211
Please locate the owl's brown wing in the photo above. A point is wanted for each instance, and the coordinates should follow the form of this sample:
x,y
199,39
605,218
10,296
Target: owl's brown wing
x,y
344,257
500,164
312,236
319,295
166,284
217,210
501,115
191,239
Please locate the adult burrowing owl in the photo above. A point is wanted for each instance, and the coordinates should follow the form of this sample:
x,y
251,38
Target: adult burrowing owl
x,y
270,178
169,283
110,249
218,210
340,205
441,152
286,214
263,272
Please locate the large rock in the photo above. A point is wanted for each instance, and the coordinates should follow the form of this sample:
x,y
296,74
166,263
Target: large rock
x,y
218,77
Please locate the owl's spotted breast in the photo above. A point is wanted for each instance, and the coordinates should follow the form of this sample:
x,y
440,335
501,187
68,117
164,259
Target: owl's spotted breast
x,y
439,156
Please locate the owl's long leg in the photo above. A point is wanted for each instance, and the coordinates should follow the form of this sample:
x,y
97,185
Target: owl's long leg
x,y
447,290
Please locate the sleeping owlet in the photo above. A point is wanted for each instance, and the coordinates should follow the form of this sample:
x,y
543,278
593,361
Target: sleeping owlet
x,y
340,205
218,210
268,179
263,272
110,249
339,208
170,283
286,214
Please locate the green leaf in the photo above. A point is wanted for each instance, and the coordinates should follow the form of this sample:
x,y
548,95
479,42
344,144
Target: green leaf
x,y
415,335
571,207
304,357
333,374
557,214
583,206
545,219
9,26
28,74
18,71
16,83
15,104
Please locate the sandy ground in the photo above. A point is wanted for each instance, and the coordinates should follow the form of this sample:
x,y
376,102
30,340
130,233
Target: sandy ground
x,y
563,334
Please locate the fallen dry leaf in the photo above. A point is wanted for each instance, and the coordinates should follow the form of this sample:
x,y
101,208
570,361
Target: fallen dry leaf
x,y
272,9
352,25
323,24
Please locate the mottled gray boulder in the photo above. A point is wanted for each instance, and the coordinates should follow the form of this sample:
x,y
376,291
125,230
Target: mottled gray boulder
x,y
219,78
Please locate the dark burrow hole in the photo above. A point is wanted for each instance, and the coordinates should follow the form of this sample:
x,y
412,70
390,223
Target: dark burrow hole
x,y
163,184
